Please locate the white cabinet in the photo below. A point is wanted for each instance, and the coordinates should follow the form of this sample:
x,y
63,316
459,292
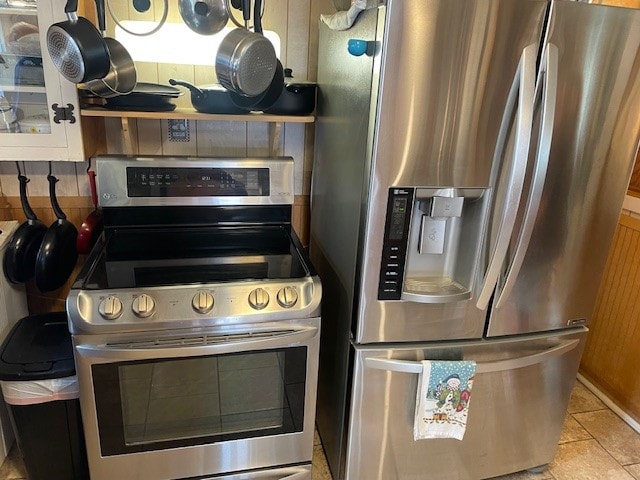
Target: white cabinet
x,y
39,109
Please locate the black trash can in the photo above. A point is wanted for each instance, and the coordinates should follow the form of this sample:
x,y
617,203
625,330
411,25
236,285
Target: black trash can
x,y
40,387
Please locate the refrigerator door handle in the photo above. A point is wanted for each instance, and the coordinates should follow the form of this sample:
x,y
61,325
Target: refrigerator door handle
x,y
549,78
523,90
405,366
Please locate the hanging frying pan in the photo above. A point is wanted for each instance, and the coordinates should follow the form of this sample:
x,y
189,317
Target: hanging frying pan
x,y
76,47
57,254
92,226
19,258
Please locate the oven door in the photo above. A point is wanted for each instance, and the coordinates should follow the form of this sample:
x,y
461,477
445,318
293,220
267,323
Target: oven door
x,y
187,403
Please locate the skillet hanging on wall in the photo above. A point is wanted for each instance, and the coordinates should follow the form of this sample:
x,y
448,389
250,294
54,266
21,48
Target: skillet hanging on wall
x,y
57,255
20,255
92,226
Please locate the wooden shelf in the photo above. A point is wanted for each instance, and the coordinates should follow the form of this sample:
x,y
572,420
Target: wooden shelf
x,y
23,88
130,140
19,11
190,114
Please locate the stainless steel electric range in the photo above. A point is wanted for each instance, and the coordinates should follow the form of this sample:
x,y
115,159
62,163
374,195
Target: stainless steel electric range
x,y
196,323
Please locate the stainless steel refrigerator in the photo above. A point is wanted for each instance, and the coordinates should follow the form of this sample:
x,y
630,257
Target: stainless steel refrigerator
x,y
469,170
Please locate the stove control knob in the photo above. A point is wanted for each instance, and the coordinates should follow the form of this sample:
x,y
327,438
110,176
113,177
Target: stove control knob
x,y
202,302
259,298
110,308
287,297
143,306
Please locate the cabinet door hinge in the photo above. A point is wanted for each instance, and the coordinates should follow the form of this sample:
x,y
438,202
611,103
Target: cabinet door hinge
x,y
63,113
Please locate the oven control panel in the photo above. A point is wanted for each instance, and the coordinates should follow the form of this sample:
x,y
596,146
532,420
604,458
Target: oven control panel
x,y
188,305
188,181
150,181
143,306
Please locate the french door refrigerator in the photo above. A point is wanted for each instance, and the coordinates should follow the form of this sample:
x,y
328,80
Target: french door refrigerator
x,y
469,171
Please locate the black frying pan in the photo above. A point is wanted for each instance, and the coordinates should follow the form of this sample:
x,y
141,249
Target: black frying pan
x,y
77,48
58,254
19,258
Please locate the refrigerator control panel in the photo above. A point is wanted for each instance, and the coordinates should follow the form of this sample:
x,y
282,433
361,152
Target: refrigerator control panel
x,y
394,250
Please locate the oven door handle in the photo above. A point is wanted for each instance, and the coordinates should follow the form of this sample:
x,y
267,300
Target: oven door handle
x,y
197,345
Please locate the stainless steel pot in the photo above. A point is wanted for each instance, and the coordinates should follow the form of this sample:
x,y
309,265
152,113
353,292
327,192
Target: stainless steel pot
x,y
265,99
246,62
205,17
76,47
121,77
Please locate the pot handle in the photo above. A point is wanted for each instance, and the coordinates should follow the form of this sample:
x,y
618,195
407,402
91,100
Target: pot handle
x,y
257,16
71,9
92,186
54,201
246,12
28,211
194,90
102,23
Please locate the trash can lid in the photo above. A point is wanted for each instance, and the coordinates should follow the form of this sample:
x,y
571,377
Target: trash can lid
x,y
38,347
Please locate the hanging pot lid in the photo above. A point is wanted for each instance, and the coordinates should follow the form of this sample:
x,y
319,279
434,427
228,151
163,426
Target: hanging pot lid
x,y
206,17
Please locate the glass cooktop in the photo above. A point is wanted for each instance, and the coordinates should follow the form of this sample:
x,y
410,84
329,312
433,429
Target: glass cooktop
x,y
152,257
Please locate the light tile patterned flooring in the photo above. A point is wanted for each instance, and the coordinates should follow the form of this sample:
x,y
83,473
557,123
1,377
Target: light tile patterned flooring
x,y
595,445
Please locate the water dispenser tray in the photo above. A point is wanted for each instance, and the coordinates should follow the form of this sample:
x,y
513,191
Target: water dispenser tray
x,y
434,290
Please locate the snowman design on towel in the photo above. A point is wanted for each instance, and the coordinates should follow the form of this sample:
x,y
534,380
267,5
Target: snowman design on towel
x,y
443,399
450,396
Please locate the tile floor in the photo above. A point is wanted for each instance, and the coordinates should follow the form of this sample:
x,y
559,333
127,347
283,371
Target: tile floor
x,y
595,445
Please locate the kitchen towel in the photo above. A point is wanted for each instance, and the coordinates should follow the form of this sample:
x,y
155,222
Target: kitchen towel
x,y
442,399
343,20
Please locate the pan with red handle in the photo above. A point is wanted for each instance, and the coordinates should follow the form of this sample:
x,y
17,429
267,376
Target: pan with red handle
x,y
57,254
19,258
92,226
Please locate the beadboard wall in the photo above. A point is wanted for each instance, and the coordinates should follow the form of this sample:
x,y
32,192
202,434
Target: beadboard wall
x,y
611,356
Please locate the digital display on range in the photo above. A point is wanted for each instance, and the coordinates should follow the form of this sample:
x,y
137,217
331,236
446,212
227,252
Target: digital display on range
x,y
197,182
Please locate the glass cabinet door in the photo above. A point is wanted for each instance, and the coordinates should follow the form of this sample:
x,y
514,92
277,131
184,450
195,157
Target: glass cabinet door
x,y
33,124
23,99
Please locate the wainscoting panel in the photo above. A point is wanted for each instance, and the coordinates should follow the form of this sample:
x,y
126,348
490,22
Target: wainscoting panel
x,y
612,356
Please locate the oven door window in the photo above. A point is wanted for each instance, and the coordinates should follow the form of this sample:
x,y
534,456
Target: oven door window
x,y
170,403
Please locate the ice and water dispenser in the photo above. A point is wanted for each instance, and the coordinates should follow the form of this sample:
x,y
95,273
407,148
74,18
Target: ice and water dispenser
x,y
432,243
